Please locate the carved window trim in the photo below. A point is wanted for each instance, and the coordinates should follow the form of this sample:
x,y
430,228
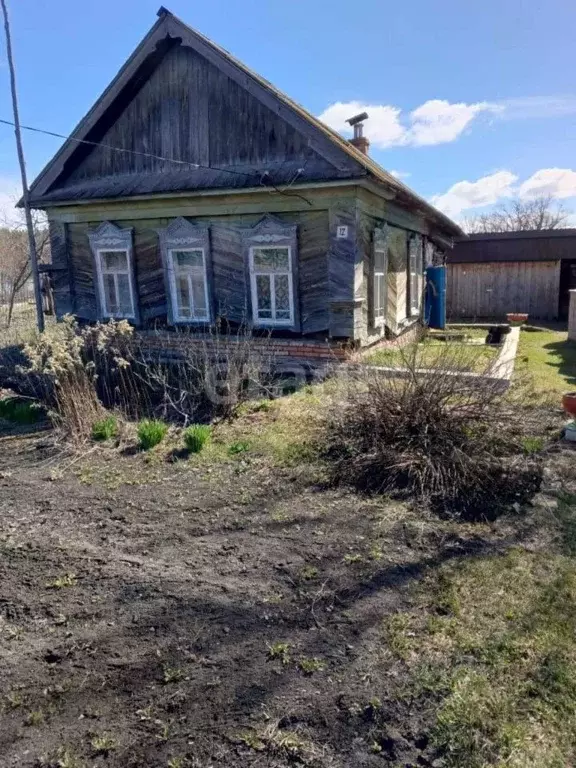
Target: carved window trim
x,y
271,232
109,238
184,235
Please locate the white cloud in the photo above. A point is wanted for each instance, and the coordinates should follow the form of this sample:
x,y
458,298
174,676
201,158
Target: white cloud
x,y
529,107
474,194
439,122
559,183
435,122
385,127
556,182
400,174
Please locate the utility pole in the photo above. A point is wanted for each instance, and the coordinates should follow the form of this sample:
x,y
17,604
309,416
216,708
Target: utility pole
x,y
25,193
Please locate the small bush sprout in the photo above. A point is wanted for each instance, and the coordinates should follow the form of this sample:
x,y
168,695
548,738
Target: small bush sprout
x,y
151,432
196,436
105,429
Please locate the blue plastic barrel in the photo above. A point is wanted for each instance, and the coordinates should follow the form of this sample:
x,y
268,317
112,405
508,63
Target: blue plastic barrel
x,y
435,307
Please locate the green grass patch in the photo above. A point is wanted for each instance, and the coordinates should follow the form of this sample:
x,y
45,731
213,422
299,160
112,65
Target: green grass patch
x,y
493,642
238,446
105,429
196,436
432,352
545,366
283,431
19,411
532,444
151,432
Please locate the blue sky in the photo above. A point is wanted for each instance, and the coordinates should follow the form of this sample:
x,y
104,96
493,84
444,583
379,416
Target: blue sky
x,y
469,102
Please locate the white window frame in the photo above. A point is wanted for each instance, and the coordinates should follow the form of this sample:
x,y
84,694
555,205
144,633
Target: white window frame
x,y
415,269
380,288
271,321
379,275
127,272
172,270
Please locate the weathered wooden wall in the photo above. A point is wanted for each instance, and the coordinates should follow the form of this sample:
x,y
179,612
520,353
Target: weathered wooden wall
x,y
333,291
572,316
492,290
230,284
193,113
373,211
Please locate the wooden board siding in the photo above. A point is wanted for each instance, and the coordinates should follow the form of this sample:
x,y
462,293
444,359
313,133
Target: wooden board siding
x,y
397,278
230,286
190,111
61,275
341,271
494,289
375,211
313,240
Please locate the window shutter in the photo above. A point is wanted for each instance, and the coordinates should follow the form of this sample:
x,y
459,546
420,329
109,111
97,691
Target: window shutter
x,y
379,292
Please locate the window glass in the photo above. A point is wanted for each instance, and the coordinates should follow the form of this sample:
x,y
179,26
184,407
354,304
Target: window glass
x,y
271,258
116,290
189,286
264,296
114,261
188,259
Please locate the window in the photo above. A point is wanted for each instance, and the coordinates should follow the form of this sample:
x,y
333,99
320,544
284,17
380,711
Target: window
x,y
415,270
189,284
272,286
380,276
186,258
114,286
380,284
115,283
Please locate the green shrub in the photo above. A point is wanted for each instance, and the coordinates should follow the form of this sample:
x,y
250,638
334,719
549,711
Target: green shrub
x,y
532,444
196,436
105,429
151,432
18,411
240,446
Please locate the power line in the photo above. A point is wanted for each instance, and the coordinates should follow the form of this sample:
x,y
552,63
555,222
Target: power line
x,y
123,149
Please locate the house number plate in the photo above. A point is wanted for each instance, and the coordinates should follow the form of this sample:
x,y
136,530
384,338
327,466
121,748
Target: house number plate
x,y
342,232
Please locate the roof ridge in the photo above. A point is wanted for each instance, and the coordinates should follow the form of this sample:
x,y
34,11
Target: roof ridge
x,y
166,17
365,160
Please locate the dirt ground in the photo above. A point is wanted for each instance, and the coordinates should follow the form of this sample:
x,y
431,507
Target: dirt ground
x,y
157,614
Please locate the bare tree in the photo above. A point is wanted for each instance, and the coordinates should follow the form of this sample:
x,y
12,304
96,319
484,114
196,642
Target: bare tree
x,y
540,213
15,266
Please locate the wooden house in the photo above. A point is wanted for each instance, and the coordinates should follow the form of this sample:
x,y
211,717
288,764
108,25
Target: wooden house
x,y
194,190
491,274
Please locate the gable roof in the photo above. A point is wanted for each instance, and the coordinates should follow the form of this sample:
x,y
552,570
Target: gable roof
x,y
350,162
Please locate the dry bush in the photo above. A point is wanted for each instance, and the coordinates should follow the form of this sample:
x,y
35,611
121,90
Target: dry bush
x,y
80,371
59,358
209,377
444,439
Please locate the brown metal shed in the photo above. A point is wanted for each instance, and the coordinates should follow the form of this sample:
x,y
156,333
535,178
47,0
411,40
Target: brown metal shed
x,y
491,274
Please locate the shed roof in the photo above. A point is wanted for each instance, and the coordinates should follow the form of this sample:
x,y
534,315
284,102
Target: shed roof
x,y
526,245
45,189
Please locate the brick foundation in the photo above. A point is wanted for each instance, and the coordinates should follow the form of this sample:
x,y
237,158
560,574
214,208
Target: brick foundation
x,y
313,351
